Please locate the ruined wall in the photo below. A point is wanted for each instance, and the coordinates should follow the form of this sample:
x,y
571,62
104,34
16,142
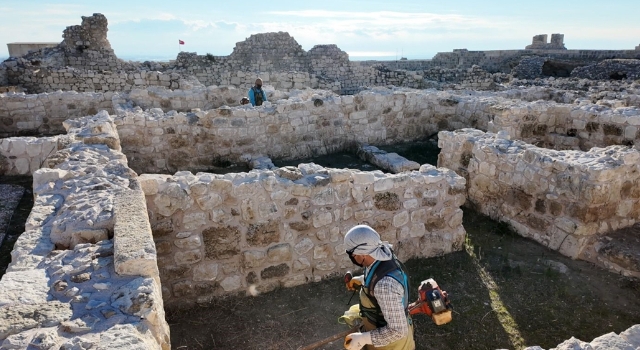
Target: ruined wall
x,y
166,142
505,60
220,234
25,155
617,69
38,80
563,126
562,199
84,272
43,114
4,79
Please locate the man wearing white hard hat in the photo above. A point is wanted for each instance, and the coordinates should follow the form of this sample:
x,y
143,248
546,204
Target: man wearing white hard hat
x,y
384,294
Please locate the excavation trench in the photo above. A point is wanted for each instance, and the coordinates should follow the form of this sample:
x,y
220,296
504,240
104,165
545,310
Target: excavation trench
x,y
507,292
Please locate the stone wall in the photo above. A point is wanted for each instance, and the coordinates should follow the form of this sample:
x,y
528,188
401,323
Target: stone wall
x,y
43,114
562,199
84,273
504,60
4,79
25,155
219,234
617,69
563,126
37,80
158,142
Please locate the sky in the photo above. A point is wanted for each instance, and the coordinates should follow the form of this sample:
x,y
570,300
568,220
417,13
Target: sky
x,y
372,29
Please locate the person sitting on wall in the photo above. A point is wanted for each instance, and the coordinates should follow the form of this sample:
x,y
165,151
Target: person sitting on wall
x,y
256,94
244,101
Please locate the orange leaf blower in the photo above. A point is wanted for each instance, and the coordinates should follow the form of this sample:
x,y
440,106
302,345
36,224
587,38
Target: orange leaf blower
x,y
433,302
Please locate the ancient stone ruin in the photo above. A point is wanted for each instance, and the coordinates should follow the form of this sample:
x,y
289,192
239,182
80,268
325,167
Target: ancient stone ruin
x,y
129,217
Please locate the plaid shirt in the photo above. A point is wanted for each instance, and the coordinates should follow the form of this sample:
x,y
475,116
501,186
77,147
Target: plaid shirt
x,y
389,294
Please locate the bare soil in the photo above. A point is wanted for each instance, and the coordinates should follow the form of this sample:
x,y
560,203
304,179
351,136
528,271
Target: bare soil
x,y
508,293
17,219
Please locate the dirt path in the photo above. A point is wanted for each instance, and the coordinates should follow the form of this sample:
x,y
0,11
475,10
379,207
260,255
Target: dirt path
x,y
507,291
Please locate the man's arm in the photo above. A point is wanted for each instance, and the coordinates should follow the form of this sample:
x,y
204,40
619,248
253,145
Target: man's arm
x,y
389,294
264,96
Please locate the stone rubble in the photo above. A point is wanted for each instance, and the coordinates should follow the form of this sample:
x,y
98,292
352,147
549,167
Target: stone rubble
x,y
387,161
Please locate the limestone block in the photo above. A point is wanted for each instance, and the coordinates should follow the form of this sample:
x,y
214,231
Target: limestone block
x,y
20,317
303,246
231,283
611,341
253,258
572,344
279,253
191,242
141,297
134,249
43,211
193,221
206,271
632,335
22,166
361,178
322,218
28,287
127,336
188,257
400,219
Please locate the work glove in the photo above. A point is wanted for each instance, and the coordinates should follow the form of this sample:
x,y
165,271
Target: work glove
x,y
356,341
355,282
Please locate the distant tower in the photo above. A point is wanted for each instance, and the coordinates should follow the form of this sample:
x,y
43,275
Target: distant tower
x,y
539,42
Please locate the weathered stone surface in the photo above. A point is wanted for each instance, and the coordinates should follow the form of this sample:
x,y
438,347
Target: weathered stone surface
x,y
387,201
134,249
279,253
221,242
205,271
24,287
263,234
275,271
19,317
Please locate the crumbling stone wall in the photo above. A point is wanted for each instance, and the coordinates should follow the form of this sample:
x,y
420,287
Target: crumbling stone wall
x,y
72,79
615,69
529,67
25,155
4,80
43,114
564,126
562,199
162,142
219,234
105,290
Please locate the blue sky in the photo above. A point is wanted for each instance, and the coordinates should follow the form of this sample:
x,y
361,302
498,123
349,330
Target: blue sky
x,y
364,29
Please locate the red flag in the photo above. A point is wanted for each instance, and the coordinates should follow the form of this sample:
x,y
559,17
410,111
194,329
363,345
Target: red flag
x,y
180,42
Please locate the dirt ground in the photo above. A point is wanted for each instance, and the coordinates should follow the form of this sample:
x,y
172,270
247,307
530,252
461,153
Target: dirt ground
x,y
508,292
18,218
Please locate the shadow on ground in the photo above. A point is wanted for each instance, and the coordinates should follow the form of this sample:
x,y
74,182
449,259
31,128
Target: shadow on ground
x,y
17,219
508,292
